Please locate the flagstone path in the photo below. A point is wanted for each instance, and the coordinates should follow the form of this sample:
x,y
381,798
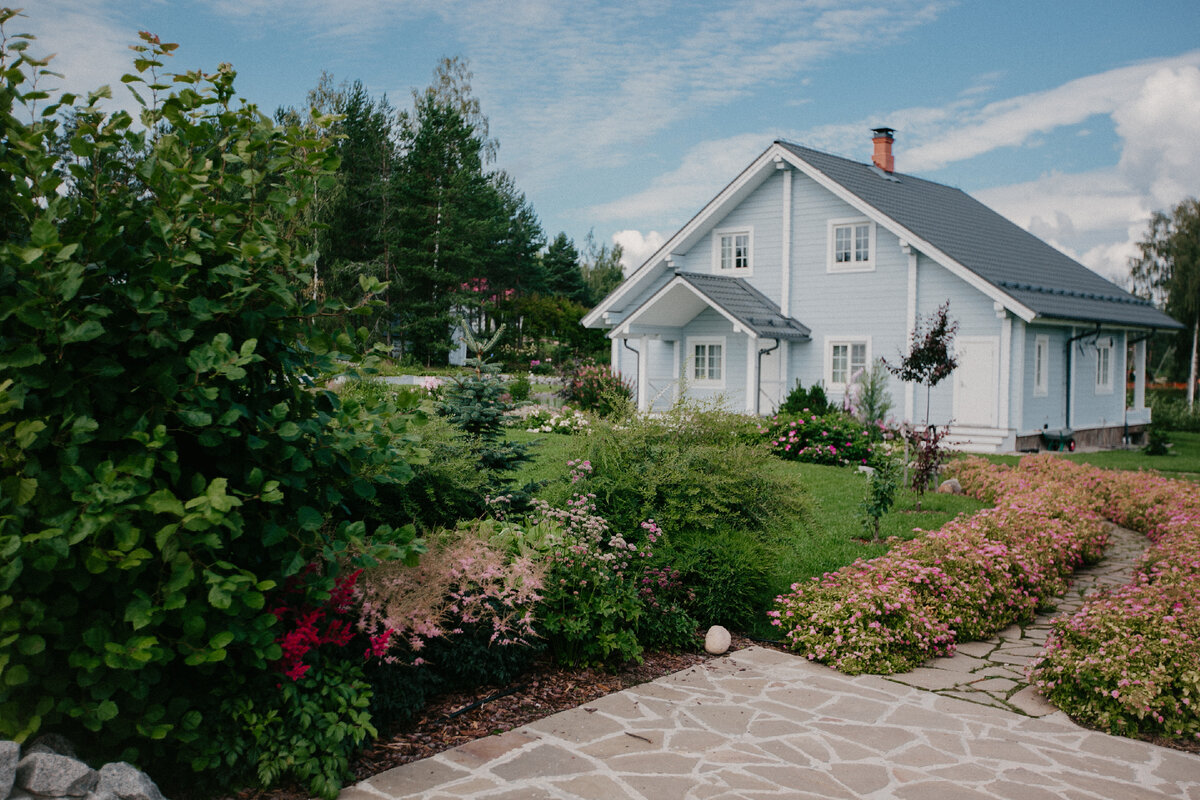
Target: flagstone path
x,y
764,724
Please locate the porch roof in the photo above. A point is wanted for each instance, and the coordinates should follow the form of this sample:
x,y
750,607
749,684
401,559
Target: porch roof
x,y
734,298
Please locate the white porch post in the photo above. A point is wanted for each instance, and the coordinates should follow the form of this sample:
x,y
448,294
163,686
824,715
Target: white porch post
x,y
677,368
1139,374
642,374
785,287
911,311
614,358
1005,367
751,374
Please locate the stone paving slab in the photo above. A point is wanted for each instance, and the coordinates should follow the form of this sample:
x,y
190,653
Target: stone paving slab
x,y
764,724
745,726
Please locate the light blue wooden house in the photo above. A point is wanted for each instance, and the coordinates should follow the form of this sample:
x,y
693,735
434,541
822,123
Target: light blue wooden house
x,y
808,267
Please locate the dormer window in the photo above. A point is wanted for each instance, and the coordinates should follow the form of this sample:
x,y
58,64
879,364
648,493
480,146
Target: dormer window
x,y
851,245
732,251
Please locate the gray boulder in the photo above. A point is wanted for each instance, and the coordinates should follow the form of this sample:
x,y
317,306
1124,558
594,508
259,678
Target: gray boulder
x,y
53,775
127,782
52,743
950,486
10,754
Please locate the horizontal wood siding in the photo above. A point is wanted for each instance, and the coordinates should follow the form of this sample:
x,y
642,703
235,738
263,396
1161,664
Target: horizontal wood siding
x,y
859,304
1049,411
975,315
1093,410
761,213
709,323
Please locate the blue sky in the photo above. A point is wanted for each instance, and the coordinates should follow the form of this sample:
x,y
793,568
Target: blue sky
x,y
1074,119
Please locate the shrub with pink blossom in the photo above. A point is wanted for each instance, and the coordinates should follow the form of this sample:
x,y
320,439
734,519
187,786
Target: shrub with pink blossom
x,y
1128,661
831,438
975,576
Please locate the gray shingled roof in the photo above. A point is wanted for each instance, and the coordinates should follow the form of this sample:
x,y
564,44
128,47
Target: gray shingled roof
x,y
1021,265
748,305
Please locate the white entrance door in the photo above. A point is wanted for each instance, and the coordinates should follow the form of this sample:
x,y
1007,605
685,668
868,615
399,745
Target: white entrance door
x,y
975,381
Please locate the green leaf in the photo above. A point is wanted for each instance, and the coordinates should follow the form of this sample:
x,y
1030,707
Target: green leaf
x,y
26,432
164,502
197,419
31,645
309,518
83,332
220,640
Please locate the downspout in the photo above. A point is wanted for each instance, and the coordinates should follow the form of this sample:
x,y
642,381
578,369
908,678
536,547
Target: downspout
x,y
1070,377
637,368
758,389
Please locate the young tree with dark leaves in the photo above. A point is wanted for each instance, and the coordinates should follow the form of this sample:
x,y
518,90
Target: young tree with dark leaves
x,y
931,355
930,359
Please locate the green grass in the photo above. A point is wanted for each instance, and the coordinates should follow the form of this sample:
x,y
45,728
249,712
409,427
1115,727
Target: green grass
x,y
1183,460
836,536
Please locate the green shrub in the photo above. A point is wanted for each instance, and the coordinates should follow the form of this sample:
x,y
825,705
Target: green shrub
x,y
805,401
728,572
1171,413
166,462
671,470
519,387
1157,440
869,396
447,485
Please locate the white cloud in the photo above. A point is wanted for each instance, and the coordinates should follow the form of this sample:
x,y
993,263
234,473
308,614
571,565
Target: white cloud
x,y
90,49
1020,120
1159,128
702,173
636,247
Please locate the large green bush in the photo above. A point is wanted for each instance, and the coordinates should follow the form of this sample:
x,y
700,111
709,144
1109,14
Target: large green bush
x,y
166,462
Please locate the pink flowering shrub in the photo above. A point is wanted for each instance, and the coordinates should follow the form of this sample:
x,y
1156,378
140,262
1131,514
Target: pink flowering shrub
x,y
460,582
831,438
975,576
1128,661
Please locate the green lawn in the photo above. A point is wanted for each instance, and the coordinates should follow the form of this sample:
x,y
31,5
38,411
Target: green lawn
x,y
1183,460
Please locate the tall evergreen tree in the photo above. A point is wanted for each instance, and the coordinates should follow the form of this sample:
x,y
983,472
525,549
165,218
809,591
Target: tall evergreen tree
x,y
441,225
563,275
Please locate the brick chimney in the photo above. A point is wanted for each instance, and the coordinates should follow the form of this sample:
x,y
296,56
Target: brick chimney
x,y
883,149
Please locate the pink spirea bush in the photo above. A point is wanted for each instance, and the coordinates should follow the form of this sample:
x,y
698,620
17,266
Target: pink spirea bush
x,y
975,576
1128,661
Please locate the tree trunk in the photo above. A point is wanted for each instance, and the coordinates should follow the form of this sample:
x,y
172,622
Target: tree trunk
x,y
1191,392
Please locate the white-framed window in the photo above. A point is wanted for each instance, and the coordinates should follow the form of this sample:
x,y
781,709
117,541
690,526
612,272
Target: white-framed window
x,y
733,251
1104,368
851,245
706,362
1041,366
845,358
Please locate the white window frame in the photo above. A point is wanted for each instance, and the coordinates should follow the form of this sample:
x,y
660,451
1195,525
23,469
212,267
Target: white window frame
x,y
1041,365
852,224
1104,357
690,369
718,236
849,342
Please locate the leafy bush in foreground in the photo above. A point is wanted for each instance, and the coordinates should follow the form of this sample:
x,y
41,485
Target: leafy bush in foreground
x,y
166,463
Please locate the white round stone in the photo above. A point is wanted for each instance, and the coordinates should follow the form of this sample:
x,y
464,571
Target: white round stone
x,y
717,640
